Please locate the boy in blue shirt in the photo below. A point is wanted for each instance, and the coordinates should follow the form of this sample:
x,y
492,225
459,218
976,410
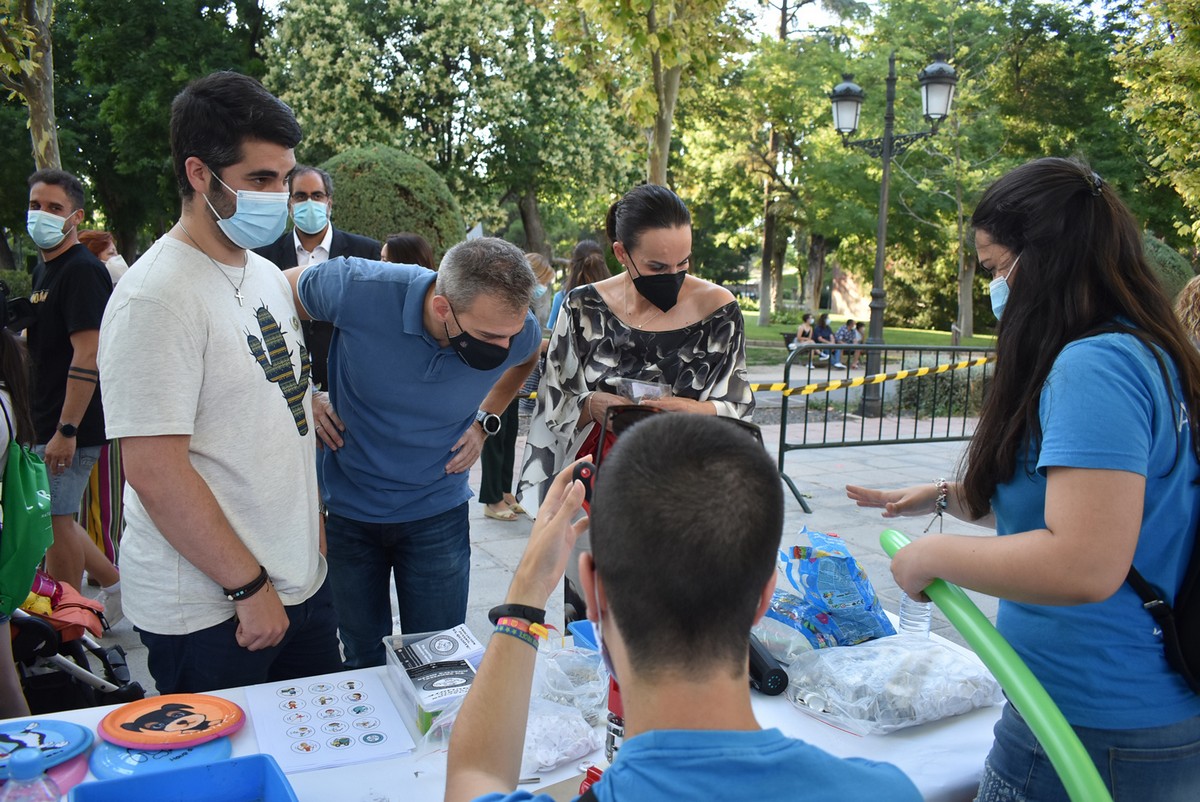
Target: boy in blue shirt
x,y
673,584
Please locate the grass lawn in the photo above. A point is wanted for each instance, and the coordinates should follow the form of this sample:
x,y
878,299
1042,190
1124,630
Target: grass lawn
x,y
765,356
892,335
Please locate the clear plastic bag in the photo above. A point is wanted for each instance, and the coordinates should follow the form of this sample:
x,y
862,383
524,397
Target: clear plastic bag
x,y
574,677
784,642
556,734
889,684
570,693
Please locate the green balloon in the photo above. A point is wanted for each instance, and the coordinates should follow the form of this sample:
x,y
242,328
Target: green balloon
x,y
1075,768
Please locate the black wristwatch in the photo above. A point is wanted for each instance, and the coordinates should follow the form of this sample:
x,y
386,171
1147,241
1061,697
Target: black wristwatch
x,y
68,429
489,421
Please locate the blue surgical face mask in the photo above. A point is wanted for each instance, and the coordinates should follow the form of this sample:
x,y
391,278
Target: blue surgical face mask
x,y
311,216
46,230
999,290
539,290
259,219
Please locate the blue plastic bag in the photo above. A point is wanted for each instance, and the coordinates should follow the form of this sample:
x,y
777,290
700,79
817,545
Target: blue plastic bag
x,y
826,595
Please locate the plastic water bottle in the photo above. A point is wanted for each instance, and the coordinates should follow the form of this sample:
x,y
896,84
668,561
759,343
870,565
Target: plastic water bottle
x,y
27,782
915,616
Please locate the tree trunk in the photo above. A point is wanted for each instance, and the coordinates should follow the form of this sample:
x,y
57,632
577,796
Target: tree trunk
x,y
770,221
817,249
39,86
768,248
531,219
966,267
801,275
666,92
778,254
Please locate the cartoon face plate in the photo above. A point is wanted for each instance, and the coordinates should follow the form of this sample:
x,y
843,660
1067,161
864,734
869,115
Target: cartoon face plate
x,y
59,741
172,721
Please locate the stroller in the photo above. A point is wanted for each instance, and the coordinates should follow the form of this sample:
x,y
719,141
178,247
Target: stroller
x,y
54,653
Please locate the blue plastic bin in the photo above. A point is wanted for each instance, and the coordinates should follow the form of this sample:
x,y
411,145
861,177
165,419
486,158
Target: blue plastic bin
x,y
585,634
252,778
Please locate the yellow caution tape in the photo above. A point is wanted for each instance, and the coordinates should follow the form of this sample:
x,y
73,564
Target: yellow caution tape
x,y
878,378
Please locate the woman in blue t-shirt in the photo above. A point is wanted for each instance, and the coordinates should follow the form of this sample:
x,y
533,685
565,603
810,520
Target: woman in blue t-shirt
x,y
1085,460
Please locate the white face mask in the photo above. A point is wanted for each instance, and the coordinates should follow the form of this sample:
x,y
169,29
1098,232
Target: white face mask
x,y
116,267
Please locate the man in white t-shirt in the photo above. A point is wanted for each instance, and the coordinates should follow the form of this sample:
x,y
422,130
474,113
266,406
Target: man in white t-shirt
x,y
207,379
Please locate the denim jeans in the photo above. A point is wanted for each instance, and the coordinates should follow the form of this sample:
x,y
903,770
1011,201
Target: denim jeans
x,y
1160,763
66,489
430,561
211,658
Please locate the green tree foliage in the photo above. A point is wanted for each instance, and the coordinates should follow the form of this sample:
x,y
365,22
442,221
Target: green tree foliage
x,y
382,191
476,88
820,193
1158,63
1035,79
118,64
642,56
27,70
16,163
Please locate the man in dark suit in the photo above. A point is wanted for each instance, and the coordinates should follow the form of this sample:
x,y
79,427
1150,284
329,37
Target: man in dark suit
x,y
314,240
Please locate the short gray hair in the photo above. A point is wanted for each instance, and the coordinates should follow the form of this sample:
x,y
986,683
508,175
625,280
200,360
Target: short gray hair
x,y
486,266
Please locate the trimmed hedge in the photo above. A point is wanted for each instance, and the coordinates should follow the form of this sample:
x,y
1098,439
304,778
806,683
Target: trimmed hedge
x,y
380,190
20,283
1173,268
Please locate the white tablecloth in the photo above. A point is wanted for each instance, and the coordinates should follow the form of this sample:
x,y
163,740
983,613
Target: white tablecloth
x,y
944,759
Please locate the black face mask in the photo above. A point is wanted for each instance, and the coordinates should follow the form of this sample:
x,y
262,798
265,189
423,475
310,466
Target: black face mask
x,y
474,351
661,289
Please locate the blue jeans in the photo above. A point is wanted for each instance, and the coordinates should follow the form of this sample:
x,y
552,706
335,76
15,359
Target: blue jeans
x,y
430,561
211,659
1159,763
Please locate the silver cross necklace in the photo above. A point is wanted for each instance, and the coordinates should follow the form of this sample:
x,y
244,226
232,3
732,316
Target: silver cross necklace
x,y
237,288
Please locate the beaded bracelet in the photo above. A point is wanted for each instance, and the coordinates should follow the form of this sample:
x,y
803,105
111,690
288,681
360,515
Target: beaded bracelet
x,y
939,506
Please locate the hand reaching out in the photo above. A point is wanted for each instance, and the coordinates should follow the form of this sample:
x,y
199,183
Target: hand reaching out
x,y
906,501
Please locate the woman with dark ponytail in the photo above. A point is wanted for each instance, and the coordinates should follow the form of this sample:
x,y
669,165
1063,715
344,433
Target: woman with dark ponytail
x,y
1086,463
654,323
587,267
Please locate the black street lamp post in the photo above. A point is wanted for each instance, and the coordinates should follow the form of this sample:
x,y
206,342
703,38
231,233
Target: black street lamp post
x,y
937,93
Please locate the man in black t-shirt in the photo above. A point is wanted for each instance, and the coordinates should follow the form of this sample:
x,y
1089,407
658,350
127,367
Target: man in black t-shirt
x,y
70,289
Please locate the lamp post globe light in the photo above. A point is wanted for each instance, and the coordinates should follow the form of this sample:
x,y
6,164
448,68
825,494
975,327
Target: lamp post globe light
x,y
937,83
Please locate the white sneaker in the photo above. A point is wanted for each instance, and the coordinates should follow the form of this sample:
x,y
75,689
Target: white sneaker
x,y
839,365
112,606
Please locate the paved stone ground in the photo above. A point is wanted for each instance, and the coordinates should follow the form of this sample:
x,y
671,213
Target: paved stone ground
x,y
820,473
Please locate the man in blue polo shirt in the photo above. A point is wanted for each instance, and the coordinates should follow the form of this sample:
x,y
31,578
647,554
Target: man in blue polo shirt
x,y
420,364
